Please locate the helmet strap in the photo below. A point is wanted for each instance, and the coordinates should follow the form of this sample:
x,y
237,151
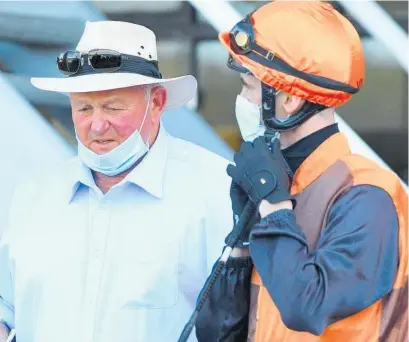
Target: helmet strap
x,y
268,97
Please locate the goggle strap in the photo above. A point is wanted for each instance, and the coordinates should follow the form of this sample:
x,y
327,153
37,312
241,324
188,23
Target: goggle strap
x,y
279,65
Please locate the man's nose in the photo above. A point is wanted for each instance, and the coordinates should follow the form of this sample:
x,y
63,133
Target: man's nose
x,y
99,123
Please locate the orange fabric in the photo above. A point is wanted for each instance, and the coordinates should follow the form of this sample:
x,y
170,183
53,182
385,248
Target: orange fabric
x,y
365,325
361,327
270,326
255,279
312,37
319,161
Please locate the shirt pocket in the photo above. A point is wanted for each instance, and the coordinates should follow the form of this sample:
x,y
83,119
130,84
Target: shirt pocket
x,y
148,275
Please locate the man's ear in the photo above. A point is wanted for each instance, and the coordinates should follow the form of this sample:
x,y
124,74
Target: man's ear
x,y
158,103
292,104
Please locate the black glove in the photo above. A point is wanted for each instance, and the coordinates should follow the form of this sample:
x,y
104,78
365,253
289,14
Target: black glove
x,y
238,198
261,173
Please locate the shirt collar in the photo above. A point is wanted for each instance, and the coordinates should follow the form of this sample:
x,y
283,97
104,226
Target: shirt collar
x,y
319,161
148,174
78,174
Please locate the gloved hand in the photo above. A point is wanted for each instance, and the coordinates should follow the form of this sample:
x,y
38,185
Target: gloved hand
x,y
261,173
238,198
242,231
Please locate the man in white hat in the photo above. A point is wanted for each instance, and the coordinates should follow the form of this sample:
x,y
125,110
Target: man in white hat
x,y
116,244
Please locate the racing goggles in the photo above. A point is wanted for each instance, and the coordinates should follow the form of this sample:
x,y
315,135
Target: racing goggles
x,y
242,42
72,63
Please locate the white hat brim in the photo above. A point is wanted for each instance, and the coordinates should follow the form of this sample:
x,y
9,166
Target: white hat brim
x,y
180,90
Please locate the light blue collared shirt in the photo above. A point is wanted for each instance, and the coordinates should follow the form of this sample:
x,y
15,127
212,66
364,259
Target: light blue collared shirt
x,y
77,265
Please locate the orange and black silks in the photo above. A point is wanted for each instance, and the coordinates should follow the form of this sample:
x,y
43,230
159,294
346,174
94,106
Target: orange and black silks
x,y
334,269
344,284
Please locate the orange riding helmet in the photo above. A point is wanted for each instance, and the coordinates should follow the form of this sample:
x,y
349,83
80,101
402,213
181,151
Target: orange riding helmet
x,y
307,49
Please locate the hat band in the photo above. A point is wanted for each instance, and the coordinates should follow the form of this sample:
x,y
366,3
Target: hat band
x,y
136,65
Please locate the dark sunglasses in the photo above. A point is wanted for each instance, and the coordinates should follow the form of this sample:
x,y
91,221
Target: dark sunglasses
x,y
242,42
75,63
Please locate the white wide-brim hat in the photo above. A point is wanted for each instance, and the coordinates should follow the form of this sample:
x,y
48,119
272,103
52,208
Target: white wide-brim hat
x,y
125,38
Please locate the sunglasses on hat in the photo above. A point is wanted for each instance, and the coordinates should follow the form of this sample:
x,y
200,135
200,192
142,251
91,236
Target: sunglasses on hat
x,y
242,42
73,63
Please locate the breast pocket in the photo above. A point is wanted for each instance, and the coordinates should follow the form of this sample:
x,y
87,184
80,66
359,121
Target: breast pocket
x,y
148,275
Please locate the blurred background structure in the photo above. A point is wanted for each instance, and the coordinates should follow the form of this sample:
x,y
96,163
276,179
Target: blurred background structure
x,y
37,127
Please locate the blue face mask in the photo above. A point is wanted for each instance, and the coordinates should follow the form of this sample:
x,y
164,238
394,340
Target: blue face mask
x,y
122,157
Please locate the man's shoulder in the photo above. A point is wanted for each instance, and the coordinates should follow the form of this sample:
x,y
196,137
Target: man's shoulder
x,y
198,156
371,180
366,171
197,166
